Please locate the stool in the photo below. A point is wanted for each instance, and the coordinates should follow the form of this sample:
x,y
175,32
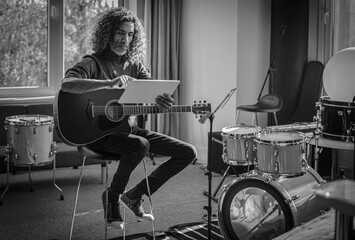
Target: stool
x,y
270,103
87,152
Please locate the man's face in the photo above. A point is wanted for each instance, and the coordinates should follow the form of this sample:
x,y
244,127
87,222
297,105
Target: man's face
x,y
122,38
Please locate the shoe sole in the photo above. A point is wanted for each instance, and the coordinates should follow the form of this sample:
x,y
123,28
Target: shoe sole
x,y
133,214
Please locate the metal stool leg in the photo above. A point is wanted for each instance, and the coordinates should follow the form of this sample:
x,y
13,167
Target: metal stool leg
x,y
106,202
7,179
276,122
237,117
76,199
149,196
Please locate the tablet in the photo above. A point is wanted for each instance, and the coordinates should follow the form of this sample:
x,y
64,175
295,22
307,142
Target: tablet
x,y
146,90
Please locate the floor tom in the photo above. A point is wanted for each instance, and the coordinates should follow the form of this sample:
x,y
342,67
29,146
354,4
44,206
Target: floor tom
x,y
30,139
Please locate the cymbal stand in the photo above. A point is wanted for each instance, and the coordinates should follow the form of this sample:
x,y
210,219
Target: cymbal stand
x,y
317,133
202,120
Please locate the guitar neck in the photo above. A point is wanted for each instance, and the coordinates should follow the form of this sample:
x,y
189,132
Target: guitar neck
x,y
141,109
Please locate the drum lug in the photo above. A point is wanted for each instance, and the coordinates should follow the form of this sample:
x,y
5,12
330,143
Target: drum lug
x,y
50,128
35,156
267,177
17,156
303,148
17,130
276,167
54,147
340,113
34,130
8,149
276,151
290,200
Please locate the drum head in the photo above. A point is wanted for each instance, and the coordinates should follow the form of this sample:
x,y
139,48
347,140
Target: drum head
x,y
241,130
28,120
279,137
252,209
338,75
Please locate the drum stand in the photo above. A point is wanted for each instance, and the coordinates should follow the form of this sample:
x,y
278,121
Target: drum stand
x,y
8,151
202,120
317,133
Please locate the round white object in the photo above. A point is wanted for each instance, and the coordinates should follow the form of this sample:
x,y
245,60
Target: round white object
x,y
339,75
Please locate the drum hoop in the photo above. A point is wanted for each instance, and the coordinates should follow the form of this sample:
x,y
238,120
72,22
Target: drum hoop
x,y
240,136
243,135
253,181
29,123
336,136
332,103
276,143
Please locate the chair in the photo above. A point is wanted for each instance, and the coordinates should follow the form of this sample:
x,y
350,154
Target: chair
x,y
89,153
270,103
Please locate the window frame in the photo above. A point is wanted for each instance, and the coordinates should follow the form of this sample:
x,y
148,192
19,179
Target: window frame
x,y
55,58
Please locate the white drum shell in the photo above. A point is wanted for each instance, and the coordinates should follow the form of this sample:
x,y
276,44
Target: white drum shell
x,y
281,153
238,145
30,139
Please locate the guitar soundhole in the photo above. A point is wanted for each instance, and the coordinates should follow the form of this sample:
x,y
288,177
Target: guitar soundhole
x,y
114,111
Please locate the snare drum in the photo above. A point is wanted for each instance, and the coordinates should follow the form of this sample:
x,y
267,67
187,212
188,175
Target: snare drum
x,y
238,145
281,153
257,206
337,119
30,139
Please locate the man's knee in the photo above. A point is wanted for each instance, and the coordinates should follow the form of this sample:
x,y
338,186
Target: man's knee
x,y
141,145
190,153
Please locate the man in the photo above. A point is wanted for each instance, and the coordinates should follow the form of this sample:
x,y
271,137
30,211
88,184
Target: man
x,y
119,45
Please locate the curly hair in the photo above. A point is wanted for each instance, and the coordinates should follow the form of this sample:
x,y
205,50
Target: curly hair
x,y
108,24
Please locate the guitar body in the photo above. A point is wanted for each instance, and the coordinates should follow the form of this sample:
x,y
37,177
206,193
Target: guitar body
x,y
75,123
81,119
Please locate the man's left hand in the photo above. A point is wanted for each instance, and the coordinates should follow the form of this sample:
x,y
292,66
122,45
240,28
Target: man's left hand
x,y
164,102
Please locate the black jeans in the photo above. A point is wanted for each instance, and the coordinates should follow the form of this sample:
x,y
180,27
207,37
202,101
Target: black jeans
x,y
134,147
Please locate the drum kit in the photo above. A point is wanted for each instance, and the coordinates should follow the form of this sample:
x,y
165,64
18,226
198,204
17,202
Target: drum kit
x,y
30,144
278,193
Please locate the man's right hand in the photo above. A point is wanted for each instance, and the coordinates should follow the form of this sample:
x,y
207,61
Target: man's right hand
x,y
121,82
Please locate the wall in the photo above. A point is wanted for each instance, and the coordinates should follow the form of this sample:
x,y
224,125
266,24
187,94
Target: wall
x,y
224,44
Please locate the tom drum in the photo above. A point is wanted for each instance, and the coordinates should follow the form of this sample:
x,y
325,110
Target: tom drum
x,y
238,145
337,119
281,153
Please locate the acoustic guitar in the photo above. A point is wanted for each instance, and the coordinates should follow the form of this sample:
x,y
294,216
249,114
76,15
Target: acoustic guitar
x,y
81,119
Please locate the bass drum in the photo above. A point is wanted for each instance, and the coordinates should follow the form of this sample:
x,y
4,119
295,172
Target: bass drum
x,y
258,206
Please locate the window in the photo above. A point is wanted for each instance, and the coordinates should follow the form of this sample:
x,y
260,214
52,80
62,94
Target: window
x,y
42,38
30,47
80,17
344,24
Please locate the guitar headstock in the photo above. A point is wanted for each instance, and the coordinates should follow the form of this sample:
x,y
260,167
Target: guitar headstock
x,y
201,107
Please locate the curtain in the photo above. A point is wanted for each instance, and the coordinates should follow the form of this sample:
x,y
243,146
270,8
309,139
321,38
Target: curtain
x,y
291,57
161,22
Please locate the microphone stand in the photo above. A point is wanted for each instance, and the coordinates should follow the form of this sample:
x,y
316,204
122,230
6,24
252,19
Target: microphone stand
x,y
202,120
271,70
